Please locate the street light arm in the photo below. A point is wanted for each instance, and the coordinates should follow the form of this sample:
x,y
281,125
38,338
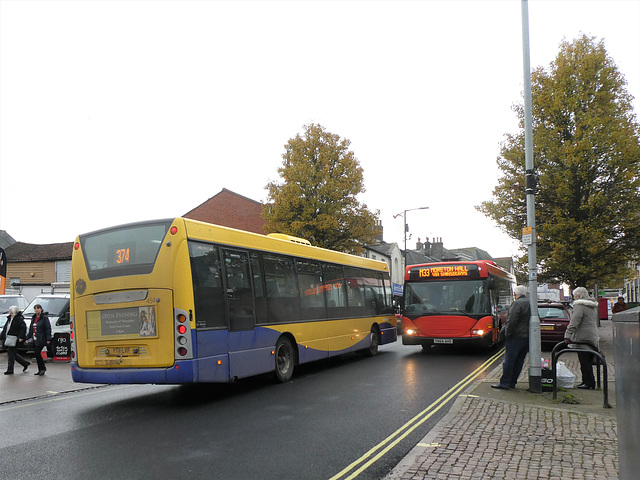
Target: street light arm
x,y
406,227
404,212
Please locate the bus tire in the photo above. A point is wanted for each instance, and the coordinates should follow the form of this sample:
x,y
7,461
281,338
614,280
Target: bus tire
x,y
285,359
374,343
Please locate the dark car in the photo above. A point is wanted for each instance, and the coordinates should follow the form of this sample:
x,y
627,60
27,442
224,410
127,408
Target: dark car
x,y
554,320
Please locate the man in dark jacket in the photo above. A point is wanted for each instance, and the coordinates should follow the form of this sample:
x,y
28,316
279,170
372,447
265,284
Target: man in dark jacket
x,y
517,339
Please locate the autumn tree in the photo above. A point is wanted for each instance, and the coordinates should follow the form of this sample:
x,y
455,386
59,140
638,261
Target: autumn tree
x,y
316,197
587,155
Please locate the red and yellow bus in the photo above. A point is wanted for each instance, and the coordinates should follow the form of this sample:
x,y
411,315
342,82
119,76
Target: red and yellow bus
x,y
455,303
180,301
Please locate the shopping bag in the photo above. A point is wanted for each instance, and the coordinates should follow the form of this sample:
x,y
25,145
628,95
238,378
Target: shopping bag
x,y
564,376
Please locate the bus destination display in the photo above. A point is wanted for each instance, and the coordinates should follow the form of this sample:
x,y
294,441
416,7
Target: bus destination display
x,y
428,272
122,254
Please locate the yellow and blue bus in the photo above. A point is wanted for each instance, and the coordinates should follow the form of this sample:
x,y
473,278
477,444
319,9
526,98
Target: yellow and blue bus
x,y
181,301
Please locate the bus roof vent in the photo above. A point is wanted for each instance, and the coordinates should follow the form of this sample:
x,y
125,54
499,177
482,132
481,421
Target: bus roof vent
x,y
289,238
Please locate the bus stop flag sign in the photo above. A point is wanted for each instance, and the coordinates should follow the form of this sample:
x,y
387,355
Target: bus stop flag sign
x,y
527,236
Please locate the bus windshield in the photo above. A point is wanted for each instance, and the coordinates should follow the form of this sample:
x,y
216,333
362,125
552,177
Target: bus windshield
x,y
447,297
123,250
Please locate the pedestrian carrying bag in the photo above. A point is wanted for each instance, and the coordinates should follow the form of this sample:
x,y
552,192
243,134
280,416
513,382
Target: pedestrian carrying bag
x,y
10,341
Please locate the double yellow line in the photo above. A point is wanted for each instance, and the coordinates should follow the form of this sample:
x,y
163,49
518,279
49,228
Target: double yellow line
x,y
392,440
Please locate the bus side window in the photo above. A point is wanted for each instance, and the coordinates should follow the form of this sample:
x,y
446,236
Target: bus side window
x,y
239,290
283,304
387,304
375,301
208,293
355,291
335,293
259,289
312,301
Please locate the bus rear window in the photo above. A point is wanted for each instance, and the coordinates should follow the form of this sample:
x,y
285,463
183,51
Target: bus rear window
x,y
128,250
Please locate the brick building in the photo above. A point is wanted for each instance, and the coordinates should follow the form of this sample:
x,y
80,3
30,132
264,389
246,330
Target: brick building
x,y
230,210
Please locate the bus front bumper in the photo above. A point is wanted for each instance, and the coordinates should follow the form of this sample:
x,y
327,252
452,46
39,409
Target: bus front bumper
x,y
483,341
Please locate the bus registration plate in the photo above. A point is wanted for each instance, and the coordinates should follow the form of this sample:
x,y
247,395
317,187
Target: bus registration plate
x,y
122,351
443,340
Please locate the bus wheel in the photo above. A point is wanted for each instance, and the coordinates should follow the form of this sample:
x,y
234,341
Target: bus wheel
x,y
285,359
373,346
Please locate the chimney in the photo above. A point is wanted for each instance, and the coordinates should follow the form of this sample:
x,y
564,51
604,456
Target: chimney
x,y
378,231
437,250
427,247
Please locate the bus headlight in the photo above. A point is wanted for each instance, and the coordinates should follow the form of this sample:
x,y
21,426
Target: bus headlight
x,y
477,332
410,331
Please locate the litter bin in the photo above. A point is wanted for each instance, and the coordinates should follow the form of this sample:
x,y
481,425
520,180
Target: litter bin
x,y
626,342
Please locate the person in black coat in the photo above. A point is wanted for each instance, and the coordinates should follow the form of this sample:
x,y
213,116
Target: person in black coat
x,y
517,339
15,326
40,331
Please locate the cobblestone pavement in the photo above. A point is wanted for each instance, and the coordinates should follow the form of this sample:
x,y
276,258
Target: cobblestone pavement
x,y
486,438
515,434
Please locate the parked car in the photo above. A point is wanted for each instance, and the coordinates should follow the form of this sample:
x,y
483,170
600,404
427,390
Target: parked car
x,y
56,306
7,301
554,320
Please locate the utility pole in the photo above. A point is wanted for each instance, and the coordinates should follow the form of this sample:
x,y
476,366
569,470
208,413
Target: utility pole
x,y
535,351
406,229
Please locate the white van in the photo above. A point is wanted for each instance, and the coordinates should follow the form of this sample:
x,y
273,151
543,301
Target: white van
x,y
7,301
56,306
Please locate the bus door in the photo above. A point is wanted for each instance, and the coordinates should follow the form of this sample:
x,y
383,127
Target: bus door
x,y
245,355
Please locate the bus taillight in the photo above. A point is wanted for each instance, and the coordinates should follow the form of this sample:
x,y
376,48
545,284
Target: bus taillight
x,y
183,347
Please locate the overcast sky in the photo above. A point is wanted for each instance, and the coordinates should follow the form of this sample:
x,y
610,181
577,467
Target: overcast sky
x,y
114,112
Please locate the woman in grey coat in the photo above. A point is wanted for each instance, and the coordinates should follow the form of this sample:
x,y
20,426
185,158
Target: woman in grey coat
x,y
583,327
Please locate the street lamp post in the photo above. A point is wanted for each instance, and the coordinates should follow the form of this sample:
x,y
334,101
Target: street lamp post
x,y
406,229
535,364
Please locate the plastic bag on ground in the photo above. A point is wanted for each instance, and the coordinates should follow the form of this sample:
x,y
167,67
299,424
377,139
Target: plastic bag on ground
x,y
564,376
